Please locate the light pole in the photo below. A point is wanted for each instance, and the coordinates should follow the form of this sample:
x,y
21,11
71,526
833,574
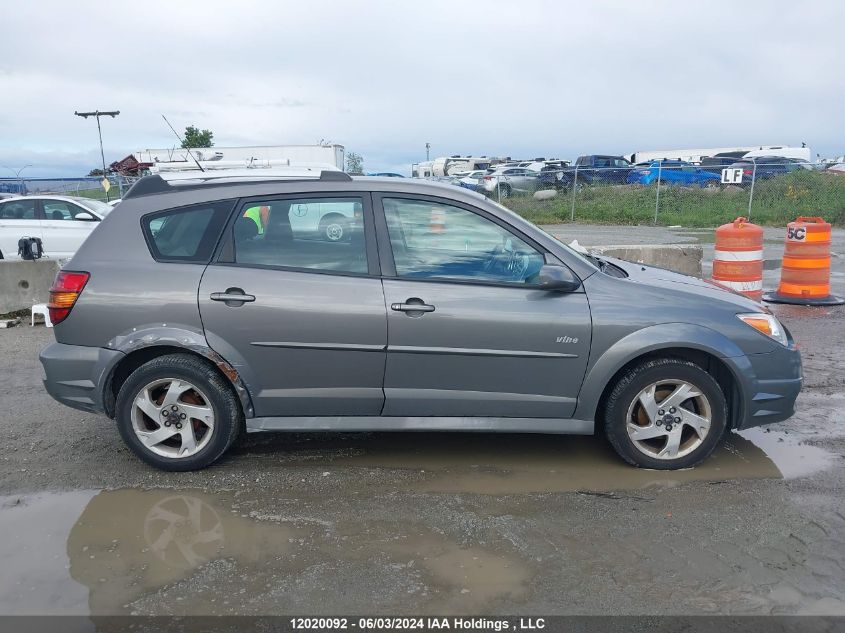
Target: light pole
x,y
427,151
98,114
17,173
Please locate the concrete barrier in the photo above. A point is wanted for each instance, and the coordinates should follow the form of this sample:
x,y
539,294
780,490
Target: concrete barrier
x,y
545,194
25,283
682,258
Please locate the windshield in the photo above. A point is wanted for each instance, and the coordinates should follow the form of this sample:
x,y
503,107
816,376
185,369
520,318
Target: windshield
x,y
100,208
592,261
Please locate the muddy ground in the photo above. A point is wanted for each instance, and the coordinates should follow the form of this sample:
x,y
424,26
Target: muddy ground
x,y
423,523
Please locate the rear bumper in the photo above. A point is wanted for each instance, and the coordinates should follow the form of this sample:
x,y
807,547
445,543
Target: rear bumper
x,y
75,375
773,382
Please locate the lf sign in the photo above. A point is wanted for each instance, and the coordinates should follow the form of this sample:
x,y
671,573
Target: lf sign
x,y
732,176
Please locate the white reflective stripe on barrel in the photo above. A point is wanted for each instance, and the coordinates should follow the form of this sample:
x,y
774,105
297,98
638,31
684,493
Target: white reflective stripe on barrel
x,y
742,286
738,256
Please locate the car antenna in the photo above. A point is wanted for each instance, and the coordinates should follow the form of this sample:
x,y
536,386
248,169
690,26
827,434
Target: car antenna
x,y
183,143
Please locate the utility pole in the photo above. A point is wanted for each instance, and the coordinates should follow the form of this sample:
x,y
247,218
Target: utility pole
x,y
98,114
427,151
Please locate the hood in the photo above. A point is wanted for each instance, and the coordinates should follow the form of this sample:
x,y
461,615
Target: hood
x,y
661,278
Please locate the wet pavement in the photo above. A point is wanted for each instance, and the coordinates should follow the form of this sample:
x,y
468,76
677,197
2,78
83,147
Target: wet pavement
x,y
423,523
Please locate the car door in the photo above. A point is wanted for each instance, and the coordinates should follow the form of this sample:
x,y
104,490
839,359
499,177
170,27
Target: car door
x,y
63,234
468,333
18,218
526,180
302,318
670,173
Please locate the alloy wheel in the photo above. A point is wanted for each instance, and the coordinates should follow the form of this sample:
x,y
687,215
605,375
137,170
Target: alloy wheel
x,y
669,419
172,418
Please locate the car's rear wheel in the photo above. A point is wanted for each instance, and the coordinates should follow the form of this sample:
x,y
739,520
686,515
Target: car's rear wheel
x,y
665,414
504,191
177,413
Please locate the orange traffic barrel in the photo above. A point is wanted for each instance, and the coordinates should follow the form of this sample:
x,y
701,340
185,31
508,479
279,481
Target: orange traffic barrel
x,y
805,275
437,221
738,258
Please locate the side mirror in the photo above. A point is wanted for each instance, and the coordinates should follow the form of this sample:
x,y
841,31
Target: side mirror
x,y
558,278
85,217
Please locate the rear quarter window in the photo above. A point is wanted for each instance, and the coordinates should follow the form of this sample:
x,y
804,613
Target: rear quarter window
x,y
186,234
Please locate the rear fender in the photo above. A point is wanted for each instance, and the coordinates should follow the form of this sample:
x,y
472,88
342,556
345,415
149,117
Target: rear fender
x,y
184,337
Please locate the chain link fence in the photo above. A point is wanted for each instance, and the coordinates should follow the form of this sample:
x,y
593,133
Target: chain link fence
x,y
87,187
672,193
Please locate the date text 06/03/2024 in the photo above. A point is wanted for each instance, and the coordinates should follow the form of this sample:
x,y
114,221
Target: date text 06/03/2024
x,y
418,624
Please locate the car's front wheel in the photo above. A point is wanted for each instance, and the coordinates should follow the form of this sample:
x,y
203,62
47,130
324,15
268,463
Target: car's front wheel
x,y
177,413
665,413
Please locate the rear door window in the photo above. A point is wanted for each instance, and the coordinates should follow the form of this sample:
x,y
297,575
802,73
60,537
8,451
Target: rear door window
x,y
186,234
17,210
321,234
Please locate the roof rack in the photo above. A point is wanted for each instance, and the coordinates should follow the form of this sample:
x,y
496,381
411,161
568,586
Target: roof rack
x,y
169,182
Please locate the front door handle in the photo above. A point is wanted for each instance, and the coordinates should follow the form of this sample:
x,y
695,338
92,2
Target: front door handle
x,y
233,297
412,307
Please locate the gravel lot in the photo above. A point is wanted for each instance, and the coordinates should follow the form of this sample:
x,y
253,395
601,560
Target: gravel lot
x,y
423,523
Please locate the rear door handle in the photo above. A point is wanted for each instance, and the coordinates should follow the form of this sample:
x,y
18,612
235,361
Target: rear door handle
x,y
412,305
232,297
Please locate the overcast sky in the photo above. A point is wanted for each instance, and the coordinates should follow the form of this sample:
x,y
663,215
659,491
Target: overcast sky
x,y
383,78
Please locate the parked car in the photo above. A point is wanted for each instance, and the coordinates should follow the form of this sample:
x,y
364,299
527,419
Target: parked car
x,y
768,167
386,174
470,179
507,181
62,222
674,172
716,164
588,170
443,311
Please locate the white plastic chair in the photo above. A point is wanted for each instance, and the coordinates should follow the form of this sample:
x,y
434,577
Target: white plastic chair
x,y
41,308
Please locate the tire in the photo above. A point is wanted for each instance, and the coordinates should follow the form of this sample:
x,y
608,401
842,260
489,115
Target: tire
x,y
711,184
149,386
334,228
666,375
503,192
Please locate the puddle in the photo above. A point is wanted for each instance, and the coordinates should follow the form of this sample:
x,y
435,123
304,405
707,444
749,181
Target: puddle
x,y
173,552
792,457
508,464
257,551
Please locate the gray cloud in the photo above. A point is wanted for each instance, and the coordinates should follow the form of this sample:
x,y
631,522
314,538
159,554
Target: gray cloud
x,y
384,78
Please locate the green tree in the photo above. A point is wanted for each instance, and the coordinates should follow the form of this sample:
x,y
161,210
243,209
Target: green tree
x,y
96,172
354,163
196,138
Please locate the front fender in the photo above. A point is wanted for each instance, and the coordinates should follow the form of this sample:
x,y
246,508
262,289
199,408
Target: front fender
x,y
177,336
664,336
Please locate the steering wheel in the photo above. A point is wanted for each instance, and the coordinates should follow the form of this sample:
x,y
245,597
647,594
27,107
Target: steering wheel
x,y
506,262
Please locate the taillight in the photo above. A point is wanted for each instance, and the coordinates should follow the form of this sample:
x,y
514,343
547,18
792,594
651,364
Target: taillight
x,y
488,177
64,293
747,172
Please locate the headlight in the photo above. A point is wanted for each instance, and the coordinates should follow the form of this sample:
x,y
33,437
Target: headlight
x,y
766,324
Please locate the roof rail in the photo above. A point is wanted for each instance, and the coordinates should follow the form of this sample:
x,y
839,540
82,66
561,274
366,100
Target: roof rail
x,y
149,185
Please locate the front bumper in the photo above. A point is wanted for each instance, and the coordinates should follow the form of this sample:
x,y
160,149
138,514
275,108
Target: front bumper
x,y
75,375
772,382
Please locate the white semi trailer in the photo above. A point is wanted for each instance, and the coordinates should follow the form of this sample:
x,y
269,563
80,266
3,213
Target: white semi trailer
x,y
258,155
